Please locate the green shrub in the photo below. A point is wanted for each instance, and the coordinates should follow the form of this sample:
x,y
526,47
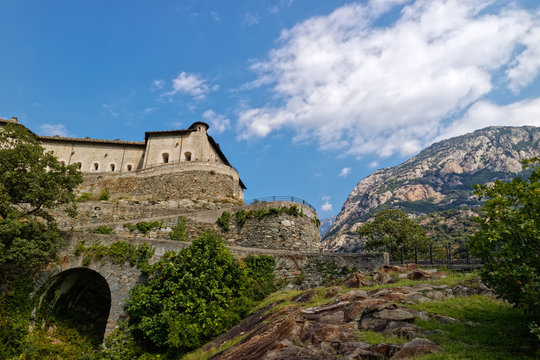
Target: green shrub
x,y
119,251
104,195
508,239
84,197
189,298
240,217
224,221
261,276
102,229
178,233
144,227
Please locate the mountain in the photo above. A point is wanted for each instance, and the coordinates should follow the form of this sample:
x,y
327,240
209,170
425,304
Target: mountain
x,y
326,224
438,179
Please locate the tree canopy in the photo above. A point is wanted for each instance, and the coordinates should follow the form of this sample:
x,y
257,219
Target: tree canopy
x,y
391,229
31,182
509,238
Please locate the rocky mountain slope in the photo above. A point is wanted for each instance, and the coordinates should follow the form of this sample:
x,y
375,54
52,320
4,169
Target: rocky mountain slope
x,y
326,224
439,178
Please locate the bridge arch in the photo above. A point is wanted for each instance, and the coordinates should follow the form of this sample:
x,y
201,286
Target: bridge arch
x,y
81,297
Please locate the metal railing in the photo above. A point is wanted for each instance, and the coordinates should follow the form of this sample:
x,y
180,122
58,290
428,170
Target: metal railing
x,y
280,198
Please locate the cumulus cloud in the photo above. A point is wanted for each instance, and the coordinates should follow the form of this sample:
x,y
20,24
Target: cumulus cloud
x,y
190,84
361,88
345,171
327,206
218,122
485,113
54,129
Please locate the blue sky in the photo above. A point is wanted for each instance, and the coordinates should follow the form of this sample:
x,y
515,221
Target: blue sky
x,y
306,97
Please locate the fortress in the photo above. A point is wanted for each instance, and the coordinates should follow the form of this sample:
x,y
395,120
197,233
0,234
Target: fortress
x,y
173,177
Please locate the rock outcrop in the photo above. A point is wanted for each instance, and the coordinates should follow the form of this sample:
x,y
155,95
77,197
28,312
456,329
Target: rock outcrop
x,y
438,178
331,330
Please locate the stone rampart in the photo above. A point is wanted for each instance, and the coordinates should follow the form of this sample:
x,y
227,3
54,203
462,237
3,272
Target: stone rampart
x,y
159,185
273,231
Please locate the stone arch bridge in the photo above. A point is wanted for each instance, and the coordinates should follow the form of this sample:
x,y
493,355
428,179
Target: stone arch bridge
x,y
97,292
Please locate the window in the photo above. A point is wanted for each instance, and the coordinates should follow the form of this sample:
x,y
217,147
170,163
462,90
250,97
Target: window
x,y
112,167
129,167
62,162
96,166
79,165
187,156
165,157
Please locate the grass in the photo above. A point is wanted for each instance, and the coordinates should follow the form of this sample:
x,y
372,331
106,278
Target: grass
x,y
497,331
207,354
375,338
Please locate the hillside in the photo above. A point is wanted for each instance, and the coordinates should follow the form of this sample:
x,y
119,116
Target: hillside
x,y
439,178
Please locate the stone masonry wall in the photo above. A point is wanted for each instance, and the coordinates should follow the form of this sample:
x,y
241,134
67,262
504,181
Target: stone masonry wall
x,y
192,185
276,231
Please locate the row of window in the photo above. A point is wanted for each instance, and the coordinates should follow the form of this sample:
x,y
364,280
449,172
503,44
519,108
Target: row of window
x,y
95,166
165,157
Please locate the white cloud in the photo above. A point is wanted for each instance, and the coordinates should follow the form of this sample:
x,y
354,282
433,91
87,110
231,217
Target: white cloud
x,y
110,110
484,113
157,84
54,129
149,110
360,89
373,164
215,15
345,171
218,122
251,19
190,84
327,206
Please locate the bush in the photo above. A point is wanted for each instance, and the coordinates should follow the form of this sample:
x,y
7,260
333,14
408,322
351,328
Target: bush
x,y
224,221
102,229
189,298
84,197
508,239
144,227
119,251
178,233
104,195
261,276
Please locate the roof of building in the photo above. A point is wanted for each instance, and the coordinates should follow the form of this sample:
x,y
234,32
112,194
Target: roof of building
x,y
90,140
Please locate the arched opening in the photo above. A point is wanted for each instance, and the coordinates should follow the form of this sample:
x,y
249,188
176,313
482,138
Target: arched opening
x,y
187,156
113,166
79,165
62,162
129,167
96,166
79,298
165,157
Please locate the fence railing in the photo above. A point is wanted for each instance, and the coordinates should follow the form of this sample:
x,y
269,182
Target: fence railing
x,y
280,198
430,259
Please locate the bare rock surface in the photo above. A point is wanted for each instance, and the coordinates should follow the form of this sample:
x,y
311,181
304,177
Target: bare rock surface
x,y
441,176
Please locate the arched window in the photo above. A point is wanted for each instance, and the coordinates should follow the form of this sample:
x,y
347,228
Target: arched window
x,y
96,166
165,157
187,156
129,167
113,166
79,165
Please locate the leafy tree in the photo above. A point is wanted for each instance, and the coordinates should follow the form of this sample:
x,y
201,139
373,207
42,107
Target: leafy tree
x,y
509,238
31,181
189,297
391,229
